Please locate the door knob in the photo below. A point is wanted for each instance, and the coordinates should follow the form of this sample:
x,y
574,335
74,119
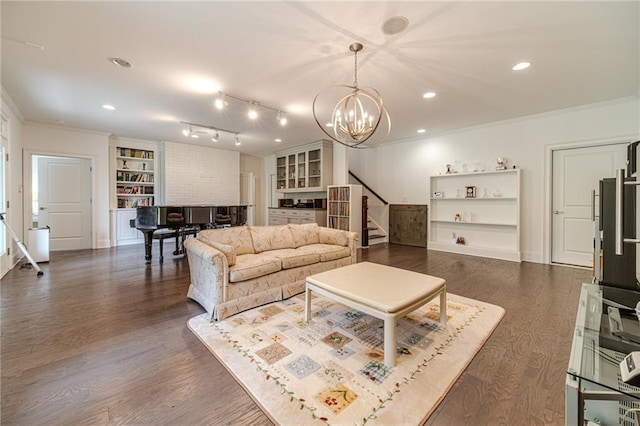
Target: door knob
x,y
43,208
557,212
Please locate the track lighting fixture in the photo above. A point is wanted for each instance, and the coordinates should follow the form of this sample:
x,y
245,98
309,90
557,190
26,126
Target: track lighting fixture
x,y
190,133
237,140
209,131
220,102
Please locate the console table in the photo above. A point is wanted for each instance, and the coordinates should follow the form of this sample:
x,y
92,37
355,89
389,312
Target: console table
x,y
594,390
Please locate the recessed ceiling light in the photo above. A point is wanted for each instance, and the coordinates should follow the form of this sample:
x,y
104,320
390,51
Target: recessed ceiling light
x,y
429,95
109,107
421,130
395,25
521,66
120,62
193,135
278,140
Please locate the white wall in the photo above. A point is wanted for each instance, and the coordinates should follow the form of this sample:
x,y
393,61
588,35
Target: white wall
x,y
14,188
62,141
200,175
400,171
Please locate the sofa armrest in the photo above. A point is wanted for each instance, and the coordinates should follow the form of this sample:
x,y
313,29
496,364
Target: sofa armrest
x,y
209,272
228,251
340,237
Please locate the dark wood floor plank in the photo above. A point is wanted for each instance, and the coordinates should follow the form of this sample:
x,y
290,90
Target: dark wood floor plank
x,y
101,338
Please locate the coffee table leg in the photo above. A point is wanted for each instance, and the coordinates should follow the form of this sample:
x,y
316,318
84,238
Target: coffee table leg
x,y
307,303
390,341
443,308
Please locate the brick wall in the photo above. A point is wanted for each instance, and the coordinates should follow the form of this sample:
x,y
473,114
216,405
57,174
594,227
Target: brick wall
x,y
201,175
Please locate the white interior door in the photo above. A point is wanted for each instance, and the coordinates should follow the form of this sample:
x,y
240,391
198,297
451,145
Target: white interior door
x,y
248,195
576,172
4,235
64,201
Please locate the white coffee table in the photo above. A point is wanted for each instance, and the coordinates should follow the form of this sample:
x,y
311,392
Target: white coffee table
x,y
382,291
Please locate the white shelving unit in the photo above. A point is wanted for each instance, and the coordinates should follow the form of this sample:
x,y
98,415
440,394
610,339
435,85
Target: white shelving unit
x,y
133,172
135,178
488,222
344,208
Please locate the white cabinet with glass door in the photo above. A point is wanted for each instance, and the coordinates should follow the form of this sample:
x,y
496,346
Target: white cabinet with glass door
x,y
306,168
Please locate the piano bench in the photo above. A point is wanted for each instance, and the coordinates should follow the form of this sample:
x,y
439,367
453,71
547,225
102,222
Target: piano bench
x,y
178,234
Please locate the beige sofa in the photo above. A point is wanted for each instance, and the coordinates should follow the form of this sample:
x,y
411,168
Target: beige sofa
x,y
238,268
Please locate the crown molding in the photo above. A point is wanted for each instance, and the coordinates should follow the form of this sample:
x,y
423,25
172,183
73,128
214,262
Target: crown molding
x,y
67,128
6,100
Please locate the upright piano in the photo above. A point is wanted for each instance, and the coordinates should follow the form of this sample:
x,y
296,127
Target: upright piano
x,y
149,219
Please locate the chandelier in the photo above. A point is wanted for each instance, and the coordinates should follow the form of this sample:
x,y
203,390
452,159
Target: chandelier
x,y
356,115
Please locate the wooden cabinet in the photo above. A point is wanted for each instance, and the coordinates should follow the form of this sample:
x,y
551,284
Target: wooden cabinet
x,y
306,168
408,224
135,177
476,214
344,208
121,230
282,216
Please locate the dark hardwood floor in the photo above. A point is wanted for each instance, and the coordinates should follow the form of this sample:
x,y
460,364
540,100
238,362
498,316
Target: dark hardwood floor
x,y
101,338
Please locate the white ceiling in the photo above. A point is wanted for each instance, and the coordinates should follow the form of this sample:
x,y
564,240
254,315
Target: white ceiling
x,y
282,54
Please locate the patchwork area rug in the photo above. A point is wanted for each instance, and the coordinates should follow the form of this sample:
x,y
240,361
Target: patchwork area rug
x,y
331,370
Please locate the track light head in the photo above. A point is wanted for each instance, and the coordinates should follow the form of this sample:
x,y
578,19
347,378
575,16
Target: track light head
x,y
282,119
252,113
220,101
237,140
216,136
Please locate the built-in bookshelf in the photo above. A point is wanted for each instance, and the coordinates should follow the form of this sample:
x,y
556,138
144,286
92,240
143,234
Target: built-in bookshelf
x,y
135,177
344,207
476,214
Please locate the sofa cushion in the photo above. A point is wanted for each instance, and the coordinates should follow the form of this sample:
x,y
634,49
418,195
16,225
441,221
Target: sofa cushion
x,y
304,233
327,252
250,266
292,258
238,237
271,237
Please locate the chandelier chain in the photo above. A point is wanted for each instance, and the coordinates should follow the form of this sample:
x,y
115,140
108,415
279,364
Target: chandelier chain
x,y
355,72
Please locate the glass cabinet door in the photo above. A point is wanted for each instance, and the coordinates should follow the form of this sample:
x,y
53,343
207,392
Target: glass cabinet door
x,y
315,168
291,171
302,170
281,173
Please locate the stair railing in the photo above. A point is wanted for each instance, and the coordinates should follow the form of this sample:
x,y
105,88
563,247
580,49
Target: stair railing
x,y
364,229
368,188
